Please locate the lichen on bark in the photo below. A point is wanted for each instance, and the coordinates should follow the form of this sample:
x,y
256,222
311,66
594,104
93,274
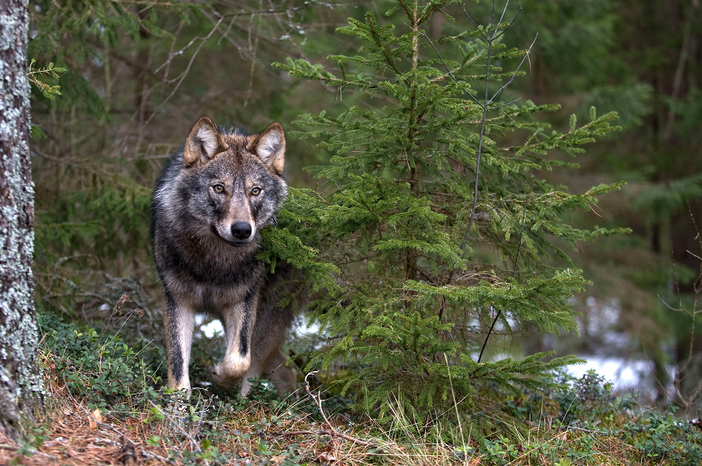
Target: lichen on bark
x,y
21,389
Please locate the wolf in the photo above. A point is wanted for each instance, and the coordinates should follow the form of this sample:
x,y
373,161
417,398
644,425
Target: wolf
x,y
210,203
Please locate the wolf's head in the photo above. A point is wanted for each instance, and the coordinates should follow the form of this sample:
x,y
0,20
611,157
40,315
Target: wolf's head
x,y
232,182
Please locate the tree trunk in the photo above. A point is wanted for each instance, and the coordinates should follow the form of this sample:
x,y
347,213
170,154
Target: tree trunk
x,y
20,379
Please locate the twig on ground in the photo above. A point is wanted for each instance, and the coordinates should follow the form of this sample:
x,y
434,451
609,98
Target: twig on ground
x,y
306,432
318,401
177,425
31,451
153,456
125,442
100,424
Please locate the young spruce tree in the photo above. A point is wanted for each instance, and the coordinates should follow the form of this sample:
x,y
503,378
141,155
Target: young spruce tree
x,y
438,228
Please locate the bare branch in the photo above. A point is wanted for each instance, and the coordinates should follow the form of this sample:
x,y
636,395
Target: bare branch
x,y
448,71
514,75
511,22
185,73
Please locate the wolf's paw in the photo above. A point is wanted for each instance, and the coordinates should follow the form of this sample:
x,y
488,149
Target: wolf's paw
x,y
222,380
230,371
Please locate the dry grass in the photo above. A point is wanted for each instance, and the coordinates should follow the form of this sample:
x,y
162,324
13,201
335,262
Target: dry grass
x,y
176,434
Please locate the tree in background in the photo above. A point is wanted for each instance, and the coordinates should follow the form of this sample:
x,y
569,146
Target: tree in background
x,y
665,152
21,391
641,59
436,214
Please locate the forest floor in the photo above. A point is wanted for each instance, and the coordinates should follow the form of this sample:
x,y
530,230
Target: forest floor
x,y
251,432
165,428
105,405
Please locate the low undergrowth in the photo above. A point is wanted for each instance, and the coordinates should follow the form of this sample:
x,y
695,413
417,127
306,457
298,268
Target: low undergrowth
x,y
107,406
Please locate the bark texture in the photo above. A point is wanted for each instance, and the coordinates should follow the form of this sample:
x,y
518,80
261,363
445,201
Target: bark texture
x,y
20,380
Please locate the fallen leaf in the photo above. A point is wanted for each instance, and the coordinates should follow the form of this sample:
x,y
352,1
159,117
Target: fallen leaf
x,y
98,417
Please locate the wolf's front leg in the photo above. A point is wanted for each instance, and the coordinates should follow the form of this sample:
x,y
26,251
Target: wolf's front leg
x,y
238,323
178,321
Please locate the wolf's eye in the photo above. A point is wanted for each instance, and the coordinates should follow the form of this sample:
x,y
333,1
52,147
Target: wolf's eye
x,y
256,191
218,188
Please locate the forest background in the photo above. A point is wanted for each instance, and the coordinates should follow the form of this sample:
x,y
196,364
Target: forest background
x,y
134,77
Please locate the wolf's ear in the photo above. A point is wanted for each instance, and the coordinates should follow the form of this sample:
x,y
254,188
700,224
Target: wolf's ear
x,y
203,143
269,146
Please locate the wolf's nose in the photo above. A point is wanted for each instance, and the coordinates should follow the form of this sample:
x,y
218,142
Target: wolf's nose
x,y
241,230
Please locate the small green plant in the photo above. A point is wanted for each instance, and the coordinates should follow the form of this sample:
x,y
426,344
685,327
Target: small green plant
x,y
153,440
585,400
582,450
542,449
500,451
99,368
662,436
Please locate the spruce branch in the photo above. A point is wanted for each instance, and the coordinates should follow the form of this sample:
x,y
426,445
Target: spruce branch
x,y
377,37
514,273
448,71
35,77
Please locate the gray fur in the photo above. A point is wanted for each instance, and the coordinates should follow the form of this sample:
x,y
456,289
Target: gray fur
x,y
209,205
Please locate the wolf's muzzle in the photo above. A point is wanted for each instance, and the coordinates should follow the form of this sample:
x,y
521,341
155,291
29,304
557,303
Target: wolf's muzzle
x,y
241,231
